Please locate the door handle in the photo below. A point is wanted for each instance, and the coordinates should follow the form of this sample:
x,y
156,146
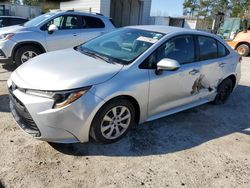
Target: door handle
x,y
222,64
194,71
75,34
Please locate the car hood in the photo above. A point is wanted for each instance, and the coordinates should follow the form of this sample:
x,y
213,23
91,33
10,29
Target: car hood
x,y
11,29
63,70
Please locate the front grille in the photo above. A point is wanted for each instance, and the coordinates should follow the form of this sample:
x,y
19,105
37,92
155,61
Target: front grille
x,y
22,116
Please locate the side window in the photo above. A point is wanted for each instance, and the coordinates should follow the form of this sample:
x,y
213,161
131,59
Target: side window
x,y
17,21
180,49
222,51
92,22
4,22
208,48
71,22
58,21
63,22
1,22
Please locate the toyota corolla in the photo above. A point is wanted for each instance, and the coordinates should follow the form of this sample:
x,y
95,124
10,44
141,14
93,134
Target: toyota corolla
x,y
107,85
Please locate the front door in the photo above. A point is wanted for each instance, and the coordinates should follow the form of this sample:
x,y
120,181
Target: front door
x,y
68,33
172,89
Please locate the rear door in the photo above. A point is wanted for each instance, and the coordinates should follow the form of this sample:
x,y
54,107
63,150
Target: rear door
x,y
68,34
91,28
212,55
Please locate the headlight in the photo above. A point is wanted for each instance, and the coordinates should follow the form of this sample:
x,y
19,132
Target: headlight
x,y
6,36
61,98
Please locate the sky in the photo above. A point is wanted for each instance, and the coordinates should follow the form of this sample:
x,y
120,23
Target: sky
x,y
167,7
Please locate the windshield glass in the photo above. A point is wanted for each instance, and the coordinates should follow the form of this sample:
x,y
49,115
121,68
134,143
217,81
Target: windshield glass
x,y
230,27
123,45
36,21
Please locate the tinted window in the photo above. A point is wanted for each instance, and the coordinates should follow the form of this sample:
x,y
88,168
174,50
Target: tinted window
x,y
17,21
180,49
92,22
2,22
222,51
208,48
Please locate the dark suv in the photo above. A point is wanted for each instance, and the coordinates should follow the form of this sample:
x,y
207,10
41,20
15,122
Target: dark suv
x,y
11,20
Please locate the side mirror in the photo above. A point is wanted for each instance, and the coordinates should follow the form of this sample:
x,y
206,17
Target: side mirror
x,y
52,28
167,64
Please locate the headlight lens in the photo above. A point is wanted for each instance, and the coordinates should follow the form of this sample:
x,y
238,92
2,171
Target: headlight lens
x,y
6,36
61,98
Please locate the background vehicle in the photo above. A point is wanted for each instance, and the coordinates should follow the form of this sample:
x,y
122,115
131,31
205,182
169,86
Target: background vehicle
x,y
236,32
131,75
49,32
11,20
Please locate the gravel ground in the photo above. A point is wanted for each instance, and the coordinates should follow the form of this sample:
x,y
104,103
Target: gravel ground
x,y
208,146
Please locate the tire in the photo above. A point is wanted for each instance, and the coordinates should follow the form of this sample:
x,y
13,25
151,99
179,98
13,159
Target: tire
x,y
223,92
243,50
24,51
104,124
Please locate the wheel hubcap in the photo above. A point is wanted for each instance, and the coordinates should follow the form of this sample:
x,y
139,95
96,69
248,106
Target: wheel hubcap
x,y
27,55
241,51
115,122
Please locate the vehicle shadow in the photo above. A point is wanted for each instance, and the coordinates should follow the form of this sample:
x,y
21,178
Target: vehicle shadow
x,y
9,67
176,132
4,103
1,185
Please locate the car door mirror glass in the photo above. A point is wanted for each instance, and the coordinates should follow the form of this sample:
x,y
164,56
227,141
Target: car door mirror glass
x,y
52,28
167,64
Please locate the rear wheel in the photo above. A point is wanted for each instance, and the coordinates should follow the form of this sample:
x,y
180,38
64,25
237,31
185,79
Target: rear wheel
x,y
243,50
223,92
113,121
23,54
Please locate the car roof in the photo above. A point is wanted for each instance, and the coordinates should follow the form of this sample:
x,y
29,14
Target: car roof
x,y
79,13
13,17
169,29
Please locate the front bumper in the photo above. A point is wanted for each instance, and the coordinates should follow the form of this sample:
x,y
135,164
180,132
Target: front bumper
x,y
66,125
6,48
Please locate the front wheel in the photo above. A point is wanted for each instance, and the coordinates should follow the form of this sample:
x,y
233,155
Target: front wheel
x,y
243,50
25,53
113,121
223,92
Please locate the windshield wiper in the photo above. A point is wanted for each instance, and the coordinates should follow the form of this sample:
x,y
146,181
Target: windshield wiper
x,y
92,54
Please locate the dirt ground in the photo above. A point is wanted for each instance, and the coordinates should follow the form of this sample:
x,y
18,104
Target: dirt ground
x,y
208,146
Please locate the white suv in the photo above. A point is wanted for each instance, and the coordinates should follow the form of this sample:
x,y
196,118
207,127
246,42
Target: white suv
x,y
49,32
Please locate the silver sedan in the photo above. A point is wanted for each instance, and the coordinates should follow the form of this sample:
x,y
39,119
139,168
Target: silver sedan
x,y
107,85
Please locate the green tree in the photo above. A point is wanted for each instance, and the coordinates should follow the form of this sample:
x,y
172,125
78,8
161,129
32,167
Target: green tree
x,y
191,7
223,6
205,8
240,7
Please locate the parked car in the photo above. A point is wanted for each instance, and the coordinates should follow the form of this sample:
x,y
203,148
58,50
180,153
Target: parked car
x,y
6,21
129,76
49,32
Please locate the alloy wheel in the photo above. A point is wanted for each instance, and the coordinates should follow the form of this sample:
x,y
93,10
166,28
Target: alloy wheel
x,y
27,55
115,122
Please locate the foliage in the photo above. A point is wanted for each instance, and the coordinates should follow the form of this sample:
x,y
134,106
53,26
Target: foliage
x,y
209,8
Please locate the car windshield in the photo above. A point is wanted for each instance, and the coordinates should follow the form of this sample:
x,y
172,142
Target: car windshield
x,y
121,46
229,27
36,21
